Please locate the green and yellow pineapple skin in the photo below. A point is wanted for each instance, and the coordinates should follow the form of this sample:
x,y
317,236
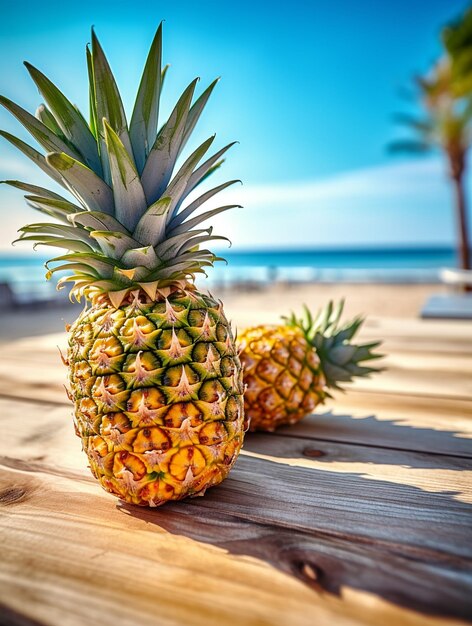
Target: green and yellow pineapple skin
x,y
289,369
158,395
282,374
154,373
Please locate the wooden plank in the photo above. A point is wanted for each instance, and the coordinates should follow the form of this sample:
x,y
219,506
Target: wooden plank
x,y
398,335
86,562
358,503
51,425
432,375
416,423
41,382
348,505
406,329
415,335
40,433
417,374
449,474
414,363
403,421
430,473
393,420
326,503
189,567
381,303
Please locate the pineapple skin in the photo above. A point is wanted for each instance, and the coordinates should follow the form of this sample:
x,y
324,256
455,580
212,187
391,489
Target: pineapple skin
x,y
282,373
158,395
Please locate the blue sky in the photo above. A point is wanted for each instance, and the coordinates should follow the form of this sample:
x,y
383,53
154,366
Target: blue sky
x,y
308,88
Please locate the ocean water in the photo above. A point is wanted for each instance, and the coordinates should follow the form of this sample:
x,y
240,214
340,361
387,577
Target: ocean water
x,y
335,265
26,273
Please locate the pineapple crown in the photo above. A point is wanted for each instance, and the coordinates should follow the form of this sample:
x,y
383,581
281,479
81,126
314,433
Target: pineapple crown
x,y
340,358
128,227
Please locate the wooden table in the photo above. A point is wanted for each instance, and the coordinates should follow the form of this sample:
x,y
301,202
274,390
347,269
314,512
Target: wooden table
x,y
362,514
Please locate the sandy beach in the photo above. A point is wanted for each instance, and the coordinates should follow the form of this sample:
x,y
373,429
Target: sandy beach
x,y
264,304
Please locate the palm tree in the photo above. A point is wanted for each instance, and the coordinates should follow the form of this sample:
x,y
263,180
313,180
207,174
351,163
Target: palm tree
x,y
457,40
445,97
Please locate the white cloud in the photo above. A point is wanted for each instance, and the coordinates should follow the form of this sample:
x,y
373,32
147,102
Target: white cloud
x,y
404,202
397,179
407,202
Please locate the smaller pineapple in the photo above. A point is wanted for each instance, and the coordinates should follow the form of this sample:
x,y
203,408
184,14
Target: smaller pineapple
x,y
289,369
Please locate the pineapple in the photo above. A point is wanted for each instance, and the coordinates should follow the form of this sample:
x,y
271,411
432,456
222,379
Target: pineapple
x,y
155,377
289,369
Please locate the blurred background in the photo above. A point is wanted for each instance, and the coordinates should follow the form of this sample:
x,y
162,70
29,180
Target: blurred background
x,y
353,122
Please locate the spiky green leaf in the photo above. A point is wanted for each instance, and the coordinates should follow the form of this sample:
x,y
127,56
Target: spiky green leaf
x,y
68,119
43,135
202,172
130,202
152,225
179,183
86,186
113,244
97,220
35,156
108,100
144,257
58,242
197,241
48,228
143,126
44,115
200,218
92,98
34,189
58,204
57,215
73,267
341,360
100,264
58,209
169,247
194,114
178,218
161,160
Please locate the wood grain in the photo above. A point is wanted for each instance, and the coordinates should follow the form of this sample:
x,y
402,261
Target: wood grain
x,y
339,517
175,546
443,377
359,515
383,495
392,421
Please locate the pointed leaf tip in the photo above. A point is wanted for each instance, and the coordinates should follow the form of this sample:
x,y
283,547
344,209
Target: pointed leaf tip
x,y
163,155
107,96
59,161
144,119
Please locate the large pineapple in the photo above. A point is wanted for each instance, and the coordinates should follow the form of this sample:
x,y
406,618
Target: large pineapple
x,y
155,378
289,369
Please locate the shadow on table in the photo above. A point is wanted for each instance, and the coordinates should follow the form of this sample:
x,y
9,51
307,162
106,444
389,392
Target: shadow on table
x,y
341,448
333,529
364,437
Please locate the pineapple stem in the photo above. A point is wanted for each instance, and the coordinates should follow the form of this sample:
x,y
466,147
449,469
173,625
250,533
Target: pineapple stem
x,y
341,359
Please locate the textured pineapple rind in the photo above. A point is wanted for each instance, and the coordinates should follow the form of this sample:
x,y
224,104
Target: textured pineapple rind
x,y
158,395
283,376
